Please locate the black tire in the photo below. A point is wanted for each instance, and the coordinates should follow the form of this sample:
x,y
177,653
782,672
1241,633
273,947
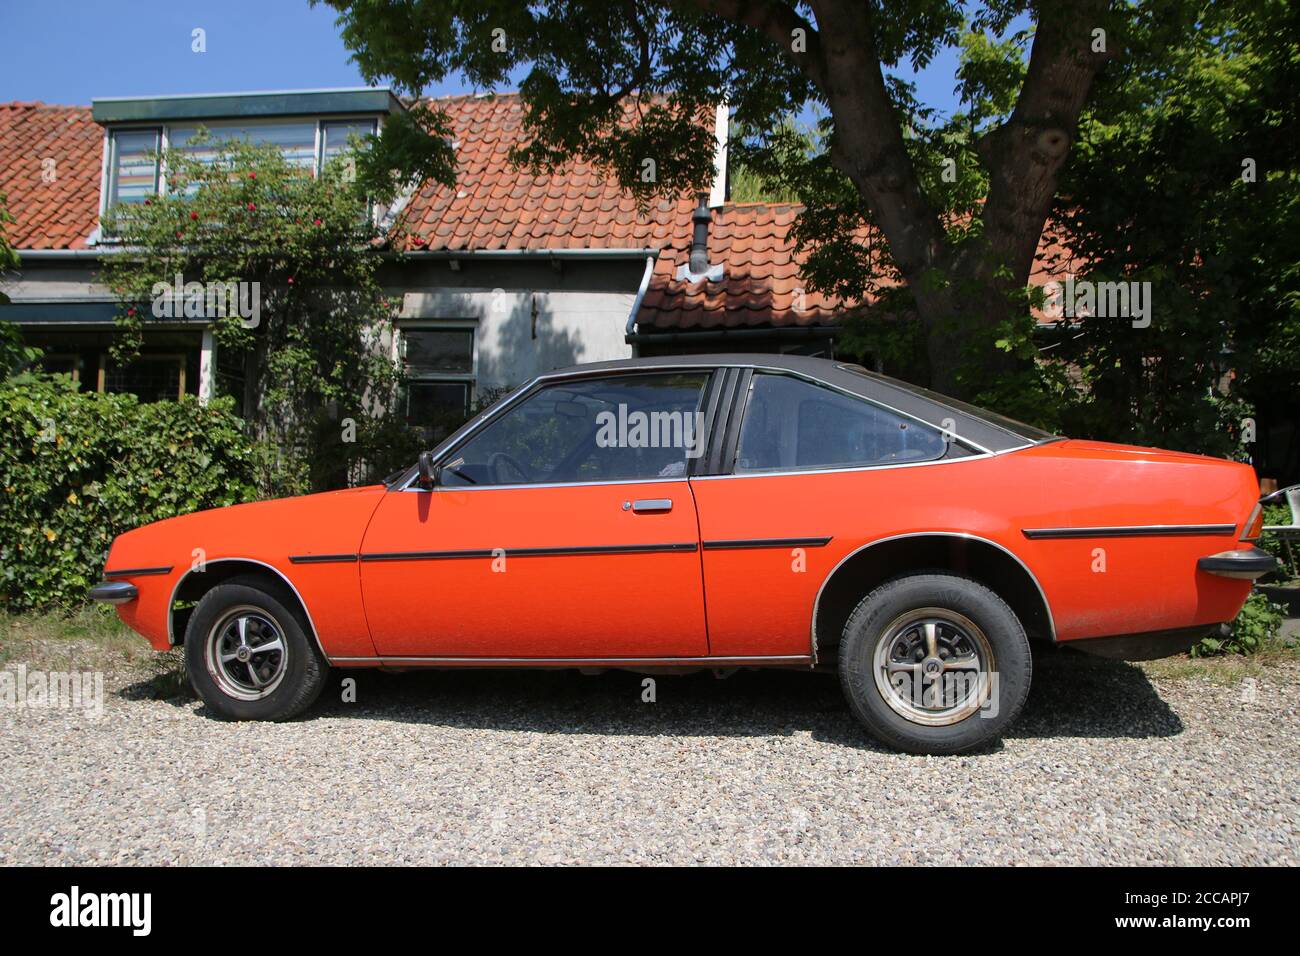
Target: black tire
x,y
890,614
301,671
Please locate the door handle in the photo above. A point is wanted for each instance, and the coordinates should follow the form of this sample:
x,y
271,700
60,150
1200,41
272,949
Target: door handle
x,y
651,505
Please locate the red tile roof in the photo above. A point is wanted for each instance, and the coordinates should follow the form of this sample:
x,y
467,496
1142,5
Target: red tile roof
x,y
55,204
492,206
496,206
762,283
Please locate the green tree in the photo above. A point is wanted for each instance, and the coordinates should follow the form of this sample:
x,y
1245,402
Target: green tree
x,y
319,381
631,87
1187,176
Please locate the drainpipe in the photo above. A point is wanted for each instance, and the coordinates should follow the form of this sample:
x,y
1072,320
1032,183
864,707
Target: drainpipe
x,y
629,331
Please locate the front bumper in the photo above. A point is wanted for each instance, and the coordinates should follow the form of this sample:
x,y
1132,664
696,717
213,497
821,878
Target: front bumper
x,y
114,592
1250,564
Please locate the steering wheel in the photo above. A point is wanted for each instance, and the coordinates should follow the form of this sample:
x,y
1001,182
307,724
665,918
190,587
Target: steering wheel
x,y
499,458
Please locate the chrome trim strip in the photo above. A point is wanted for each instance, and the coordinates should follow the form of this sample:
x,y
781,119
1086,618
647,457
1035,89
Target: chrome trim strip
x,y
1051,622
276,571
1131,531
682,546
321,558
557,484
571,661
136,572
745,544
856,468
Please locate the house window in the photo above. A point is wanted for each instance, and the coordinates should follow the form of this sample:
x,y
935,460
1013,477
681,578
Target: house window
x,y
335,138
439,366
132,165
151,377
297,141
133,168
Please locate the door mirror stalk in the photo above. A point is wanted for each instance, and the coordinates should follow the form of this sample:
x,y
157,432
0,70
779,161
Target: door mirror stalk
x,y
427,475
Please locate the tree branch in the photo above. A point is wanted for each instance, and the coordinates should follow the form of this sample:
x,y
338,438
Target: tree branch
x,y
777,21
1025,154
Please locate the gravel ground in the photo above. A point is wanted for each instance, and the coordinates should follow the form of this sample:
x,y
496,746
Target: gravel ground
x,y
1105,766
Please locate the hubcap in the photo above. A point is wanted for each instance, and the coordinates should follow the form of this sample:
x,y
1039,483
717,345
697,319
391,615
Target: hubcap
x,y
933,666
246,654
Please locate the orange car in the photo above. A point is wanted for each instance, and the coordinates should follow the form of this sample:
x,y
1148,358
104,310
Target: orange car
x,y
717,512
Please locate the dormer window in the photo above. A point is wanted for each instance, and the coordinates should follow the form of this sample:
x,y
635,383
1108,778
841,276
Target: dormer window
x,y
310,128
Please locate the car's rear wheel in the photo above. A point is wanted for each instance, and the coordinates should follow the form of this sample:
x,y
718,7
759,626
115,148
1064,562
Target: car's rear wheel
x,y
934,663
248,653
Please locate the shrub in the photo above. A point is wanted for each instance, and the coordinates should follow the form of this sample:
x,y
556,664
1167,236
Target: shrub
x,y
1282,549
78,468
1256,625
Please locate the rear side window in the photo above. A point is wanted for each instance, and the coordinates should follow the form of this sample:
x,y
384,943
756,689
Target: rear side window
x,y
791,424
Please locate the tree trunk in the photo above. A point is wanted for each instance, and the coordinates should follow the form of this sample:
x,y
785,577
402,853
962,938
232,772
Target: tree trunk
x,y
959,299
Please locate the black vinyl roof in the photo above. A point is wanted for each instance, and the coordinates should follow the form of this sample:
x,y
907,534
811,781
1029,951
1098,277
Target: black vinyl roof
x,y
982,428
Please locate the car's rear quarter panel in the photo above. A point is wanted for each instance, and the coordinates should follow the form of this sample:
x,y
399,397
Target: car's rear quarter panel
x,y
1148,583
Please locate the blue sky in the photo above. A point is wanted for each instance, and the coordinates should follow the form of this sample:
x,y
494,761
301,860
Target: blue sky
x,y
72,51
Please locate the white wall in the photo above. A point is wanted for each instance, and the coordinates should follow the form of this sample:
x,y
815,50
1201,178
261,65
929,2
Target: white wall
x,y
571,327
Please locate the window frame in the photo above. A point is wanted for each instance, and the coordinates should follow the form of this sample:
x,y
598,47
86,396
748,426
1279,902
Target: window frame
x,y
470,430
470,378
733,451
164,143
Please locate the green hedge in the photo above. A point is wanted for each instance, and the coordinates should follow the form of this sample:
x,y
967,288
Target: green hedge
x,y
78,468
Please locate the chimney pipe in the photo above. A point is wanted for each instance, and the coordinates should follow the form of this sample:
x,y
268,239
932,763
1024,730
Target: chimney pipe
x,y
699,259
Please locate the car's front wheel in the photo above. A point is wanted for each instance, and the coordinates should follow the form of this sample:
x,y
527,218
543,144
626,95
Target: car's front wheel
x,y
248,654
934,663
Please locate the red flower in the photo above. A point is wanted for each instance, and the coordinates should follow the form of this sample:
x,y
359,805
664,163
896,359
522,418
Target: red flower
x,y
290,280
252,206
194,215
252,175
130,311
316,222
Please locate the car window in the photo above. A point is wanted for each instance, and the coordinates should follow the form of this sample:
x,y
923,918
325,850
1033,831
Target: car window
x,y
790,423
621,428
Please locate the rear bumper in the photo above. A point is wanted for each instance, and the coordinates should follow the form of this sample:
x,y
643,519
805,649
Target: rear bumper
x,y
114,592
1250,564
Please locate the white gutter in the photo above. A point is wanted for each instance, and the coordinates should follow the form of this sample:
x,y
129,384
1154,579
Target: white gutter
x,y
37,255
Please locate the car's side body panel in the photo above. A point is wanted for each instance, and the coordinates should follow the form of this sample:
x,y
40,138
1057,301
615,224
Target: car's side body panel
x,y
266,533
536,572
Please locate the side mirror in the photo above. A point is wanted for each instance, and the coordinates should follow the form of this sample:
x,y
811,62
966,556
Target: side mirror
x,y
427,475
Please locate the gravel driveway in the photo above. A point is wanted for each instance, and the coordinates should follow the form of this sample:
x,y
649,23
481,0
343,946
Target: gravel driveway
x,y
1105,766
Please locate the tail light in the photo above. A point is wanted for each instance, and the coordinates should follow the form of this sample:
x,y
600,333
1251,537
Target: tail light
x,y
1254,525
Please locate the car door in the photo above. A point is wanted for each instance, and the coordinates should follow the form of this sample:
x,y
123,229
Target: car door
x,y
803,475
564,527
